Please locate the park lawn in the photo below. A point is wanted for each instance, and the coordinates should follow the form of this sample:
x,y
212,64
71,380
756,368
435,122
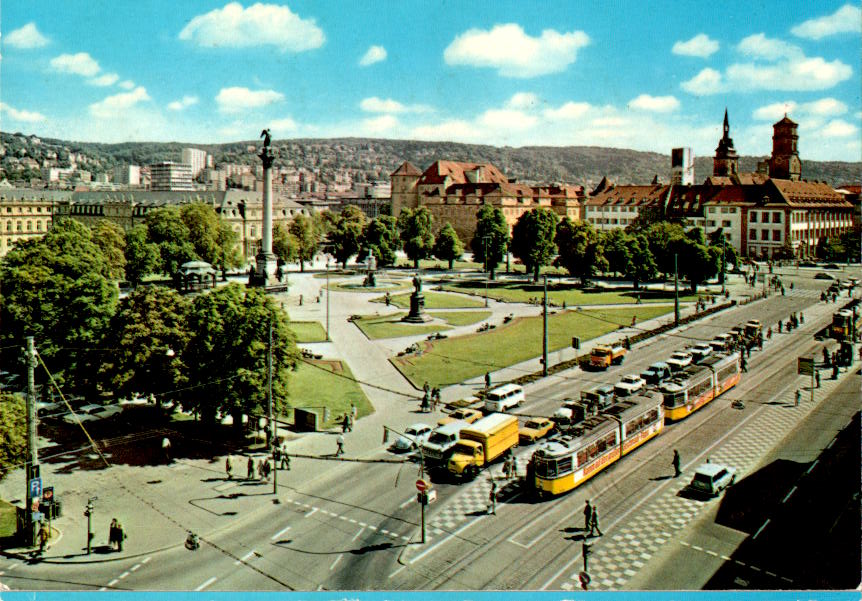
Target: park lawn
x,y
461,318
8,523
572,295
319,383
391,326
456,359
435,300
308,331
356,286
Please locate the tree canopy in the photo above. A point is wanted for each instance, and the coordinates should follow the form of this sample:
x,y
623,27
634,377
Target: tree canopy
x,y
381,237
345,237
491,239
533,239
167,230
307,236
448,246
417,233
13,432
142,256
581,249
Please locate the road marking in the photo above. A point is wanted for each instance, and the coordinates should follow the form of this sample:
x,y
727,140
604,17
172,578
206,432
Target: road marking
x,y
740,563
123,575
279,533
136,567
206,584
725,558
831,442
352,521
146,560
341,517
407,502
243,558
104,588
808,471
759,530
713,553
335,563
531,527
755,568
370,527
363,524
696,548
113,582
311,513
792,490
396,572
771,574
384,532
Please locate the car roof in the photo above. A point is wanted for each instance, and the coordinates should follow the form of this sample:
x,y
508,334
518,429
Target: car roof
x,y
417,426
711,469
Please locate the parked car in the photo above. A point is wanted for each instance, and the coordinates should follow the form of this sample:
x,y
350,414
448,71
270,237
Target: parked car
x,y
831,266
823,276
656,373
91,413
680,360
535,429
712,478
413,436
701,351
463,414
722,343
44,409
630,384
807,264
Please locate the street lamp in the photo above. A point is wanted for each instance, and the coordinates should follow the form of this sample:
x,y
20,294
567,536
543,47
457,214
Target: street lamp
x,y
485,241
328,258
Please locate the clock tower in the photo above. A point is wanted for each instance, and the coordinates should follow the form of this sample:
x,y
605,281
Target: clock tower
x,y
784,162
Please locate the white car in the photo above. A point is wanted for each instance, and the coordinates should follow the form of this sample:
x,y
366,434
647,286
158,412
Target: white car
x,y
90,413
712,478
701,351
413,437
679,360
630,384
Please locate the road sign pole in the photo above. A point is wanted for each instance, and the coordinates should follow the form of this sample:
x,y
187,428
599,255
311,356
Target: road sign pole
x,y
813,369
422,505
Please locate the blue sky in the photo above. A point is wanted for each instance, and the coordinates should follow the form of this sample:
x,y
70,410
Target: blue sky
x,y
633,74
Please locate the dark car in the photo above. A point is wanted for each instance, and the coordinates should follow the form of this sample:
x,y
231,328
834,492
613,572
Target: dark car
x,y
656,373
823,276
807,264
831,266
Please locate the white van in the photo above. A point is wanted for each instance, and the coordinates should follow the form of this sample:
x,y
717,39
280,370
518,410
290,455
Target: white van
x,y
504,398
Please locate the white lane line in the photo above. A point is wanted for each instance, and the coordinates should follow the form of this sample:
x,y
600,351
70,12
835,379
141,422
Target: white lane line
x,y
369,527
206,584
755,568
792,490
363,524
446,539
407,502
396,572
243,558
311,513
759,530
146,560
725,558
384,532
341,517
831,442
696,548
104,588
123,575
135,567
352,521
713,553
113,582
772,574
808,471
335,563
279,533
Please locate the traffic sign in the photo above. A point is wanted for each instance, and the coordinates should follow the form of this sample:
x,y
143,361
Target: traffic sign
x,y
422,485
48,494
35,487
34,504
431,495
805,366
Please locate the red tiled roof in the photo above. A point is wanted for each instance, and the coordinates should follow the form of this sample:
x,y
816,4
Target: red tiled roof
x,y
804,193
629,195
456,172
407,168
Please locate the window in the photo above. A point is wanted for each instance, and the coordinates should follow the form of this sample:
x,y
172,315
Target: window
x,y
18,226
29,226
764,234
710,222
38,226
752,234
776,217
776,235
712,209
8,226
725,223
753,216
732,210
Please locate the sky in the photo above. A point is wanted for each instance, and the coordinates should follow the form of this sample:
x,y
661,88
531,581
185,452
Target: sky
x,y
628,74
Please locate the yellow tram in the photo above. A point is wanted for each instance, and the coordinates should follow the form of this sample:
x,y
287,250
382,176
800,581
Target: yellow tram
x,y
697,385
563,464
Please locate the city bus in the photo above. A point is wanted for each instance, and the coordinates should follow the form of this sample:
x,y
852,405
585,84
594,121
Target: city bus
x,y
565,463
697,385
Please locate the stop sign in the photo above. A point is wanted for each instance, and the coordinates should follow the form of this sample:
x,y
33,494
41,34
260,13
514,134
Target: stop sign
x,y
422,485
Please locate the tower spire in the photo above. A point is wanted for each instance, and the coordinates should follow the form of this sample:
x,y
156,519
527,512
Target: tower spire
x,y
726,124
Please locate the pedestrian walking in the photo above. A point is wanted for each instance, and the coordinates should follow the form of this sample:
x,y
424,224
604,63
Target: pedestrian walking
x,y
260,469
594,523
285,459
514,469
228,468
354,412
250,475
345,424
743,364
507,467
825,356
588,516
112,533
43,538
487,379
339,451
492,499
166,449
276,456
798,396
267,468
121,536
675,462
780,325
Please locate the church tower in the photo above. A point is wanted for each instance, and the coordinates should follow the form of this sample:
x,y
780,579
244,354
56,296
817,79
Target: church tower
x,y
784,162
404,193
726,161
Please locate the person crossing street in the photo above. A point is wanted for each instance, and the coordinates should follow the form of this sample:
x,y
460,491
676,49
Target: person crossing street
x,y
676,463
588,516
228,468
594,524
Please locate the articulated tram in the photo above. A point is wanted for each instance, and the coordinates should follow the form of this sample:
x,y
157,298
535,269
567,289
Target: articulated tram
x,y
563,464
697,385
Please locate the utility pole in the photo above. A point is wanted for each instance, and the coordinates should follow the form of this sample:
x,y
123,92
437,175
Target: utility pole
x,y
89,513
675,291
545,328
273,439
31,466
723,264
327,298
485,240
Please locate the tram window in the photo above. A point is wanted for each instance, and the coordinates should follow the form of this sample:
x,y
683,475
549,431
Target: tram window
x,y
674,399
727,372
611,439
564,465
582,457
652,416
601,445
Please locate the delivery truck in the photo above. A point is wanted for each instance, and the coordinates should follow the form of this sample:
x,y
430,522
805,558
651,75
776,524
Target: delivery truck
x,y
483,442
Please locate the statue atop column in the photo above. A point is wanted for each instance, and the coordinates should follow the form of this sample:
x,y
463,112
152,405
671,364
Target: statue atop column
x,y
266,262
266,152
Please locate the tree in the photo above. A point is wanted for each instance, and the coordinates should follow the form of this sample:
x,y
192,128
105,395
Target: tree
x,y
646,218
417,234
148,336
142,256
226,354
659,236
284,244
696,262
307,237
448,246
167,230
13,432
346,236
491,239
616,249
381,237
213,240
533,239
581,250
112,241
57,289
641,266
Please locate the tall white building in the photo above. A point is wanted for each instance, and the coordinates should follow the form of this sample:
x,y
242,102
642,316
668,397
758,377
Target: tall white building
x,y
129,175
682,167
169,176
196,158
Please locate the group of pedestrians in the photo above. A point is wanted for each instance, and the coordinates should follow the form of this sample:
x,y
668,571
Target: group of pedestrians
x,y
591,520
263,468
116,535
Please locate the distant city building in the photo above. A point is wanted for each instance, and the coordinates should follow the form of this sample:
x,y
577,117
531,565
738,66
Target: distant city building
x,y
25,214
169,176
56,174
196,159
129,175
682,166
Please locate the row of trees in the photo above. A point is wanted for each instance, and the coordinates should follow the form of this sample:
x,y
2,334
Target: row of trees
x,y
207,354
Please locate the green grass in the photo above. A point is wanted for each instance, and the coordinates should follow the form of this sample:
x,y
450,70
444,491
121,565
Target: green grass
x,y
318,384
8,524
461,318
355,286
435,300
308,331
456,359
573,296
391,326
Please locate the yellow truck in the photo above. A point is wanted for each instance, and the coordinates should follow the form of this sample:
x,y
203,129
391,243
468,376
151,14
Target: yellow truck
x,y
483,442
603,356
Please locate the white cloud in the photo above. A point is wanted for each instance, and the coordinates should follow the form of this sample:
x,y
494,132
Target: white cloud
x,y
826,107
568,111
21,115
657,104
609,122
26,37
514,53
758,46
808,74
708,81
523,100
506,119
374,104
183,103
847,19
127,84
379,125
838,128
258,25
775,111
374,54
811,111
104,80
700,45
283,125
79,64
236,99
116,105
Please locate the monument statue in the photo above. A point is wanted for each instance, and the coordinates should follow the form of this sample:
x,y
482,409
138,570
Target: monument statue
x,y
417,283
417,304
267,138
370,268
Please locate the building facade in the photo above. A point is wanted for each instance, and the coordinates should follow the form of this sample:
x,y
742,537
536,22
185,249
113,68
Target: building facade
x,y
171,177
196,159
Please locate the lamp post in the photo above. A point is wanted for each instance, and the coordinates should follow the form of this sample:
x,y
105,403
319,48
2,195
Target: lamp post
x,y
327,297
485,240
386,431
273,431
723,264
